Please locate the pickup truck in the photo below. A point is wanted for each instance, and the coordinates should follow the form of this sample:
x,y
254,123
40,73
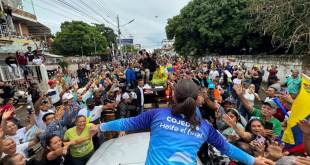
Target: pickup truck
x,y
154,97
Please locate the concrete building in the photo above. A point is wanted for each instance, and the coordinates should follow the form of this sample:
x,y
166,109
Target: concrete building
x,y
167,43
137,46
25,27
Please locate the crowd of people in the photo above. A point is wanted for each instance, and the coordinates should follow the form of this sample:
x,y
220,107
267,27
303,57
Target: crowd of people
x,y
228,120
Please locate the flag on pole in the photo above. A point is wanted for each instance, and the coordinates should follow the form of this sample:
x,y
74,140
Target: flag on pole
x,y
232,59
25,44
50,40
293,136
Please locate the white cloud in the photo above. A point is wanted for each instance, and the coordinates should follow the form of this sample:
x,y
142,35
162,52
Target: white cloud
x,y
146,29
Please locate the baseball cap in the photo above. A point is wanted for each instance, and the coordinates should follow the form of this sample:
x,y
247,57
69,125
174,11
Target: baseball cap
x,y
133,95
89,100
274,77
211,86
272,104
67,96
51,83
44,102
255,66
125,96
81,90
231,100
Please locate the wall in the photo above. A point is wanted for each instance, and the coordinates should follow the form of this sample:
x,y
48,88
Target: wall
x,y
285,63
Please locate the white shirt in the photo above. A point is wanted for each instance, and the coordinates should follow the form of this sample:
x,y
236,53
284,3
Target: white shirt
x,y
142,95
249,96
19,135
73,81
29,97
94,114
39,121
20,149
55,98
237,81
213,74
37,61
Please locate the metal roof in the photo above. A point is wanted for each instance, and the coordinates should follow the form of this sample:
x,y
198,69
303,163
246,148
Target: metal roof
x,y
34,27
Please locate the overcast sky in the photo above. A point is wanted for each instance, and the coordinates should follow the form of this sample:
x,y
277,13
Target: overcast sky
x,y
150,16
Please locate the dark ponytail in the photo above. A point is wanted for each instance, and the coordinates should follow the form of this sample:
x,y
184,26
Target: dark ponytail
x,y
186,93
48,141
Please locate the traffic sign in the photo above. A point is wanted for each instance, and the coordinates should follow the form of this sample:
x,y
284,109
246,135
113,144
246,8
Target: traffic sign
x,y
125,41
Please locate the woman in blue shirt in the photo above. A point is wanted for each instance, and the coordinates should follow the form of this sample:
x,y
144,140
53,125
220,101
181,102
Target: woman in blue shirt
x,y
177,133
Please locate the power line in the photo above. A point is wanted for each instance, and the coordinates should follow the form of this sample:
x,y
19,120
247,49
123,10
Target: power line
x,y
96,12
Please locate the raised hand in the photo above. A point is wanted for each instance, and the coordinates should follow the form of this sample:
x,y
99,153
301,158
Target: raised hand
x,y
274,151
7,114
1,134
228,120
232,138
302,161
238,89
76,107
304,125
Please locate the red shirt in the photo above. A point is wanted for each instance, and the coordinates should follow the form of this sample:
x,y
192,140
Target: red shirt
x,y
280,115
6,107
272,72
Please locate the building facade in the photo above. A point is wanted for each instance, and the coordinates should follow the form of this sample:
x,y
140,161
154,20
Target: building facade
x,y
167,43
137,46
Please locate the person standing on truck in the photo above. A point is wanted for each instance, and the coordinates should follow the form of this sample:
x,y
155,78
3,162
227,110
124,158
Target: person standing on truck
x,y
131,77
144,63
140,96
177,133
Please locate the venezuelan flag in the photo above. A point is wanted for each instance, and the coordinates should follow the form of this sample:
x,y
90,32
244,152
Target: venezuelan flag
x,y
232,59
50,40
25,44
293,136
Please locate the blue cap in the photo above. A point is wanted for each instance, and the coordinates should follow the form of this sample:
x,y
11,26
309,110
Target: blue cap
x,y
231,100
211,86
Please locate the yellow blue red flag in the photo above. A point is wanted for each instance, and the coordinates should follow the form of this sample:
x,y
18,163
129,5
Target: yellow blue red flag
x,y
293,136
232,59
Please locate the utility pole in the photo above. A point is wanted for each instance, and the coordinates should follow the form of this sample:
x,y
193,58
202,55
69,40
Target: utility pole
x,y
119,37
95,47
132,43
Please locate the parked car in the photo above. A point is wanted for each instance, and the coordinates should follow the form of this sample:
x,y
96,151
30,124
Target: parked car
x,y
128,150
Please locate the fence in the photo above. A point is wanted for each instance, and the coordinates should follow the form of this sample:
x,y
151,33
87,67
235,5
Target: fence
x,y
36,74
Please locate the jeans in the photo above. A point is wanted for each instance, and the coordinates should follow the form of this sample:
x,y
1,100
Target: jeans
x,y
38,73
97,141
81,83
244,111
141,109
256,83
82,160
24,69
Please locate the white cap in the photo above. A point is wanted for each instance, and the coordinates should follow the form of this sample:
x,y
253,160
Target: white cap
x,y
81,90
133,95
67,96
125,96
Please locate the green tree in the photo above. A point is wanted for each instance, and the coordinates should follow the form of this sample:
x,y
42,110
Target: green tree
x,y
128,48
108,33
206,26
157,51
76,34
287,21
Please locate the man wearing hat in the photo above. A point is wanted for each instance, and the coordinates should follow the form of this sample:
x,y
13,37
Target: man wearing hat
x,y
274,83
94,113
53,95
265,114
122,109
68,97
40,109
30,54
228,104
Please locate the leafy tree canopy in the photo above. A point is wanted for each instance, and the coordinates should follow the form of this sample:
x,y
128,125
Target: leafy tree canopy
x,y
76,34
108,33
287,21
216,25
